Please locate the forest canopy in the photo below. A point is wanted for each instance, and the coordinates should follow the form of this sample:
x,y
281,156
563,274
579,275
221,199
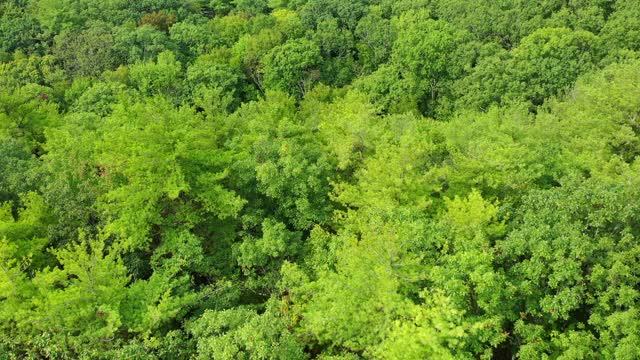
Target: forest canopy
x,y
319,179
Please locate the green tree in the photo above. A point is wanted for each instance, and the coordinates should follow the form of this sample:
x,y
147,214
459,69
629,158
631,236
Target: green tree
x,y
545,64
292,67
88,53
431,54
244,333
144,43
19,30
160,78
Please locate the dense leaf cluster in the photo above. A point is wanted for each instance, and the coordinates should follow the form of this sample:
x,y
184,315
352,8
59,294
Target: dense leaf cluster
x,y
330,179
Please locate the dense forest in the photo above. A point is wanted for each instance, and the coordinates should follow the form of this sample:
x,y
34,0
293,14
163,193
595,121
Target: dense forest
x,y
320,179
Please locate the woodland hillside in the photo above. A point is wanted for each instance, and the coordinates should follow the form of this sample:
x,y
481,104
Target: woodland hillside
x,y
320,179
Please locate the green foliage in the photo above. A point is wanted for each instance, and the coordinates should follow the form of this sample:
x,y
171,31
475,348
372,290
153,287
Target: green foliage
x,y
242,333
152,157
76,305
545,64
133,44
158,20
19,30
622,30
86,54
19,171
302,179
290,67
26,112
192,38
160,78
433,330
375,36
429,53
214,85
